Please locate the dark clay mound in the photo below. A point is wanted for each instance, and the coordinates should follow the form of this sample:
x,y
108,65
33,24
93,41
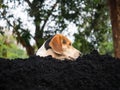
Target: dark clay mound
x,y
92,71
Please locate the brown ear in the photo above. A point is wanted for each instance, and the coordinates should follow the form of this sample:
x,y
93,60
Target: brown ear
x,y
56,44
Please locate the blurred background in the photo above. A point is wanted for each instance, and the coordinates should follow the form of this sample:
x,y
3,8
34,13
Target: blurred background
x,y
26,24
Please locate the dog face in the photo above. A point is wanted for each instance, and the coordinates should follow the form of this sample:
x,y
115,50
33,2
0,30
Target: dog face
x,y
59,47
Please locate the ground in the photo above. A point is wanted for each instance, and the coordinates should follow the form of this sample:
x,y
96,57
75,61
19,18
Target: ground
x,y
91,71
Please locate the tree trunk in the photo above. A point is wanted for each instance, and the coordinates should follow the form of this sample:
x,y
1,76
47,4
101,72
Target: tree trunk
x,y
38,32
115,21
30,50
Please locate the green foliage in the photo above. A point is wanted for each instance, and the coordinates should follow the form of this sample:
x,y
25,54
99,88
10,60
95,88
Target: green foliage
x,y
106,47
82,44
10,49
95,28
15,52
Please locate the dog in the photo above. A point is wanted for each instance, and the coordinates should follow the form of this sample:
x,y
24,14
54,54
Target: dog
x,y
59,47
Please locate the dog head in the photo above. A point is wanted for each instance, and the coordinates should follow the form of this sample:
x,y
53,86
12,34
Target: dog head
x,y
62,47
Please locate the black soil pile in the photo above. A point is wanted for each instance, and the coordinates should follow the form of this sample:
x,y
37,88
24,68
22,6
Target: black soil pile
x,y
92,71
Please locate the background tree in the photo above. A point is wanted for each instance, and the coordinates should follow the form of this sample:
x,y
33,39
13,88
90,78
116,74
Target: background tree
x,y
115,20
96,28
54,16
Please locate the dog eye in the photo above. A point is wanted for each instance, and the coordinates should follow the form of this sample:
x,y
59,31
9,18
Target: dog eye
x,y
70,44
64,41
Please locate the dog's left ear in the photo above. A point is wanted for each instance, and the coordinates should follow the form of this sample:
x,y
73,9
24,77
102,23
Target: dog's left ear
x,y
56,44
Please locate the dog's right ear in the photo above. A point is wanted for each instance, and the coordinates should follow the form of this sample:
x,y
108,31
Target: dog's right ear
x,y
56,44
